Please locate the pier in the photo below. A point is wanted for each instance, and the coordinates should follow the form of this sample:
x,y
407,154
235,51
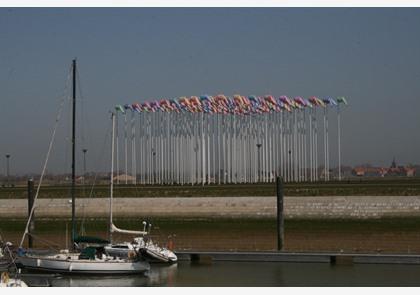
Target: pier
x,y
332,258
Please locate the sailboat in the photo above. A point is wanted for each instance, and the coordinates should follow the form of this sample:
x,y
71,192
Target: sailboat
x,y
141,244
91,260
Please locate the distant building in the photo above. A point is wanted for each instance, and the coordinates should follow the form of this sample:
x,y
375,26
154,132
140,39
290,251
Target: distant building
x,y
393,171
122,177
369,171
410,172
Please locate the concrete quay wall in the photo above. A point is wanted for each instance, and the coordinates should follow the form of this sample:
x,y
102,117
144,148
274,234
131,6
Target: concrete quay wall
x,y
254,207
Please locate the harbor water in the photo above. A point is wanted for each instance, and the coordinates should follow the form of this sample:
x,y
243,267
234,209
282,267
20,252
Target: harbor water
x,y
240,274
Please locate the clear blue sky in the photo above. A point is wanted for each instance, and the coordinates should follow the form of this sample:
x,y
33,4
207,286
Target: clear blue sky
x,y
371,56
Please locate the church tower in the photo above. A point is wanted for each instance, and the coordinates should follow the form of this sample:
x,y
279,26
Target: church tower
x,y
393,164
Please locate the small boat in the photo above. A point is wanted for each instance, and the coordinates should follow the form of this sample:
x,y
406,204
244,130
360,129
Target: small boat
x,y
144,245
91,260
153,252
149,250
6,261
7,281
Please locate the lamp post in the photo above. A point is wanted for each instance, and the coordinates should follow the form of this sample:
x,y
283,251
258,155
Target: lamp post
x,y
340,100
7,169
259,145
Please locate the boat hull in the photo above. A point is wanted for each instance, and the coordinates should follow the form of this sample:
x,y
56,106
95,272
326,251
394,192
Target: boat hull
x,y
56,265
156,256
149,254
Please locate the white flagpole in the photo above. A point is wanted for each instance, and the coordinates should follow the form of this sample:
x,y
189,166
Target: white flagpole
x,y
203,153
325,145
327,142
133,147
125,146
339,141
311,175
316,146
111,177
117,140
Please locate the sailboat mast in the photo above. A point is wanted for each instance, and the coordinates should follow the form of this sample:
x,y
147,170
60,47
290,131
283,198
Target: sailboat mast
x,y
73,161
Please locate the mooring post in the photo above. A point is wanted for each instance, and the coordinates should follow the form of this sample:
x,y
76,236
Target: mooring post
x,y
280,215
31,196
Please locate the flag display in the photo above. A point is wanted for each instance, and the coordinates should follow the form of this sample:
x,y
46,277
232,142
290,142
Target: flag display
x,y
228,139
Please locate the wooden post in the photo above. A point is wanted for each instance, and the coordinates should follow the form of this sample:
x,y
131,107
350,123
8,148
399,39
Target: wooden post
x,y
31,197
280,215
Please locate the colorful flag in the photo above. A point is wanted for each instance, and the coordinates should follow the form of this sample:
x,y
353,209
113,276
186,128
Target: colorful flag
x,y
341,99
128,107
136,107
332,101
119,108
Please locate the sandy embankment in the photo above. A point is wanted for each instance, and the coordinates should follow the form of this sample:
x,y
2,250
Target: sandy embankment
x,y
254,207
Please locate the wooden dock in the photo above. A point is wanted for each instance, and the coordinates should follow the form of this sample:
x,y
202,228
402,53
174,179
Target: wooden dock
x,y
332,258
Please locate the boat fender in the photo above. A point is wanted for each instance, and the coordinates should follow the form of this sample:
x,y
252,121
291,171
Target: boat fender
x,y
131,254
170,245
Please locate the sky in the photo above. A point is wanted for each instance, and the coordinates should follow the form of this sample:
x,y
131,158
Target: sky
x,y
369,55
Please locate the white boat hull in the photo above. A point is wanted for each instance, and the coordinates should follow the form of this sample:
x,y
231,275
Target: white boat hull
x,y
62,265
150,252
154,256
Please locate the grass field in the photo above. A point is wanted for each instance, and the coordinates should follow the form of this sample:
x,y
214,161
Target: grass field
x,y
357,187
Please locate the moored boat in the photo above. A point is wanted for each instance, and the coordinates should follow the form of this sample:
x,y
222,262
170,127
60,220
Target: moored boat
x,y
92,260
6,281
72,263
151,251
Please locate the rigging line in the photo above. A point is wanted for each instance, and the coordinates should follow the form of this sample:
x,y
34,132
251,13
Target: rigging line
x,y
82,109
57,120
84,128
67,133
50,244
84,204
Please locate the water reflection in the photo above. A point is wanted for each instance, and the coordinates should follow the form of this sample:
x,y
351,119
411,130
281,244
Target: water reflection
x,y
159,275
99,281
